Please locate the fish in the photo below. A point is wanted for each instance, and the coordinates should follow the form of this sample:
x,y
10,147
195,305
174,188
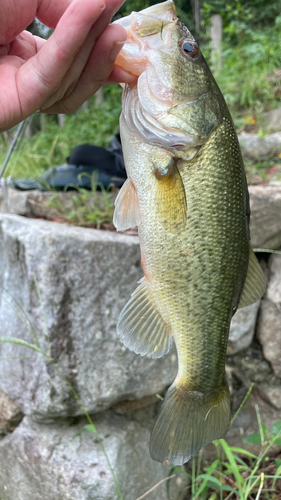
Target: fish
x,y
187,192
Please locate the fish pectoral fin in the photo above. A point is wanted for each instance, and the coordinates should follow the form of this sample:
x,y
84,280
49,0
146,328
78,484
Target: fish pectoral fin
x,y
141,328
254,286
187,421
171,207
127,210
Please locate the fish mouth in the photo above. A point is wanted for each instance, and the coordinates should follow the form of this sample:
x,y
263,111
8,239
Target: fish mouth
x,y
161,108
150,29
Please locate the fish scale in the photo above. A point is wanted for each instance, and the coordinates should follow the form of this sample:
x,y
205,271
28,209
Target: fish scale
x,y
187,192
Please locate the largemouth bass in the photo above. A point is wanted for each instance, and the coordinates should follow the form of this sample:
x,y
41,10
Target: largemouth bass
x,y
187,193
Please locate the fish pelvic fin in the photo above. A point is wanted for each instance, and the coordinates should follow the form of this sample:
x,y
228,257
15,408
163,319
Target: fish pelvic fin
x,y
127,211
188,420
141,328
254,286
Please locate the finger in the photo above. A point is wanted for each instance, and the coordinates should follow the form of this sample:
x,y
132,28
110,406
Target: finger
x,y
50,11
43,73
97,71
23,46
119,75
15,17
111,8
73,75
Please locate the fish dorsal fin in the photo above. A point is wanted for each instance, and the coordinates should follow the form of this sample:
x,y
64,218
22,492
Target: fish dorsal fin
x,y
127,210
141,327
254,286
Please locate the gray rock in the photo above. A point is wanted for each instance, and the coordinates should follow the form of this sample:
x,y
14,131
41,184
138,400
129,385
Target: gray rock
x,y
35,203
259,148
247,420
269,333
28,203
242,328
269,324
85,277
272,120
265,227
16,202
10,414
273,292
272,395
265,210
39,461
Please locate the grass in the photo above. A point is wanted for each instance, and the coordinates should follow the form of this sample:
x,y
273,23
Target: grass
x,y
51,146
264,171
236,473
250,74
86,208
249,79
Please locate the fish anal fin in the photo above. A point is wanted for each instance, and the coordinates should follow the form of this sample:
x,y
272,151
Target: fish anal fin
x,y
188,420
254,286
141,327
127,210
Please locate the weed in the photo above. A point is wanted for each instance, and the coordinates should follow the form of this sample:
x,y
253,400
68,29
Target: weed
x,y
50,147
262,171
238,474
247,75
91,208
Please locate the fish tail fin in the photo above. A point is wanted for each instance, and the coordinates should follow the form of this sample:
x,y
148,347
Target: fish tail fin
x,y
187,421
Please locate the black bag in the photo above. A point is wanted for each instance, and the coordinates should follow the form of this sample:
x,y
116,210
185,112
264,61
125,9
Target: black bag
x,y
84,159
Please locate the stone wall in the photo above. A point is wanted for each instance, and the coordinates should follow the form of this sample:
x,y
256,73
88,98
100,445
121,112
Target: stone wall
x,y
85,277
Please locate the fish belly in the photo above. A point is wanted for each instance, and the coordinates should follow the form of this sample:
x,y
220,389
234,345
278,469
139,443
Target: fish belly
x,y
195,250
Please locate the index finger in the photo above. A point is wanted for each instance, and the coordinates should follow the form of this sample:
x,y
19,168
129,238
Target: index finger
x,y
42,74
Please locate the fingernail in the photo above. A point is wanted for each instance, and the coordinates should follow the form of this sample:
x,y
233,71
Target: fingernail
x,y
103,8
117,46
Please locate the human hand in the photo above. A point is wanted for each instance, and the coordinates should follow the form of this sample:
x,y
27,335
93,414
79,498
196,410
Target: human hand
x,y
59,74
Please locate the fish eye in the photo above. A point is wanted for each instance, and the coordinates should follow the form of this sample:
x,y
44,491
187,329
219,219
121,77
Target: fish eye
x,y
189,48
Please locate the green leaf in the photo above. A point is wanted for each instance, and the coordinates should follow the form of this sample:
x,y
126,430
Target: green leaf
x,y
213,496
231,458
213,482
228,468
209,471
278,462
254,438
277,473
87,427
277,441
91,428
210,480
243,452
14,340
179,469
265,429
226,487
75,198
276,428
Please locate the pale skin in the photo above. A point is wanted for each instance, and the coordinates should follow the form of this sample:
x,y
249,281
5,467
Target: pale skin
x,y
59,74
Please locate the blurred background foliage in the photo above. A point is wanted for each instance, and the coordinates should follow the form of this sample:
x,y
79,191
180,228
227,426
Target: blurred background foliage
x,y
249,77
